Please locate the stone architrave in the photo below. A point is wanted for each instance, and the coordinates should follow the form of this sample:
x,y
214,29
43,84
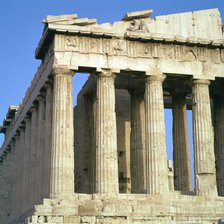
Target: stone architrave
x,y
204,158
40,147
106,135
156,157
62,157
181,149
219,142
32,155
138,157
47,140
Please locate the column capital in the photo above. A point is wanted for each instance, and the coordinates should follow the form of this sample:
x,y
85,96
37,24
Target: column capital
x,y
107,73
159,78
201,81
40,98
62,71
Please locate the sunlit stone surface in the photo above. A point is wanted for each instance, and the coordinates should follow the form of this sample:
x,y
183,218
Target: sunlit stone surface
x,y
105,160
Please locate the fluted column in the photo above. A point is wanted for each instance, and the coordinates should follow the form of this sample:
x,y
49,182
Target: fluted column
x,y
15,195
47,140
32,155
181,149
156,157
138,157
106,135
40,147
11,173
62,158
205,177
219,142
20,168
26,161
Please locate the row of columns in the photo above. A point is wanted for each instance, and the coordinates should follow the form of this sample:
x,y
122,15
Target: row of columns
x,y
26,163
41,161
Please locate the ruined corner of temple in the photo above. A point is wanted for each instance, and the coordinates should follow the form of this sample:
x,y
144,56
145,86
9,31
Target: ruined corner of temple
x,y
105,160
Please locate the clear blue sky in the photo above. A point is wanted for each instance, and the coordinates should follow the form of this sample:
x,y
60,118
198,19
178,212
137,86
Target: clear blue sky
x,y
21,30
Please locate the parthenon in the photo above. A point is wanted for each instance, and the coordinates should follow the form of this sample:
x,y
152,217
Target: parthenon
x,y
105,160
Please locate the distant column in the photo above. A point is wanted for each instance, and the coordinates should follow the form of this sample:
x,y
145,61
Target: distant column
x,y
138,157
47,140
219,142
12,151
156,158
20,167
205,177
62,158
26,160
181,149
32,158
40,148
15,195
106,135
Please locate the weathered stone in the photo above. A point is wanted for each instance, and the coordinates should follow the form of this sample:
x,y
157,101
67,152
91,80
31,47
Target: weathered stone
x,y
119,142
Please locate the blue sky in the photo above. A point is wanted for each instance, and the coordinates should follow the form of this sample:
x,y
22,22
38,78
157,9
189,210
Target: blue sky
x,y
21,30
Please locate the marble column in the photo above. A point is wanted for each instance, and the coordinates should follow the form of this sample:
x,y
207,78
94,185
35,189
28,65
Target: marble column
x,y
219,142
20,191
181,149
26,161
11,173
204,159
15,196
138,157
62,158
40,147
5,185
32,155
156,156
106,135
47,140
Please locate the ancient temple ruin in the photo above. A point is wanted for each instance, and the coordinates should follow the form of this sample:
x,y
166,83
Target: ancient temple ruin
x,y
105,160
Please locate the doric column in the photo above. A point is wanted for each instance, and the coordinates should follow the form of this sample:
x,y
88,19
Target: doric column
x,y
219,142
20,167
40,147
156,158
47,141
11,173
26,160
106,135
205,177
62,158
32,155
181,149
138,157
16,174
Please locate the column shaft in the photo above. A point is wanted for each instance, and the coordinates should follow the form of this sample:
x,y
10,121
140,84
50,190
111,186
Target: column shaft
x,y
106,136
32,158
138,157
47,141
205,177
181,149
40,147
156,158
219,142
20,190
62,158
26,160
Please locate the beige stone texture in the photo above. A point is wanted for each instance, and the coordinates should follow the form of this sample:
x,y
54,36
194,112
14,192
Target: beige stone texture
x,y
105,160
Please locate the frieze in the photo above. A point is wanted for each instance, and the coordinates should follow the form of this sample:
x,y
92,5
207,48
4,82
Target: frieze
x,y
121,47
